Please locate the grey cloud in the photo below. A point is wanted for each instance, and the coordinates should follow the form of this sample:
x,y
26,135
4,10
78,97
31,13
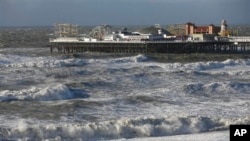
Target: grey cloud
x,y
95,12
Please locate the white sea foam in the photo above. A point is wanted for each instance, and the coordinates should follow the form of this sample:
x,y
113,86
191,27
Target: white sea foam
x,y
216,88
57,92
208,136
129,97
40,62
217,65
204,66
44,62
122,128
50,93
21,61
141,58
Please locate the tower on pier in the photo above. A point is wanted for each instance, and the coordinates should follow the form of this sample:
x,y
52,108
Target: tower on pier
x,y
224,31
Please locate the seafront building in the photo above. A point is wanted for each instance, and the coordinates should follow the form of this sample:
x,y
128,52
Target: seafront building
x,y
206,33
191,28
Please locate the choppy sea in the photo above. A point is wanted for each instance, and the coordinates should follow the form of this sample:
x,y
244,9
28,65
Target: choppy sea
x,y
103,97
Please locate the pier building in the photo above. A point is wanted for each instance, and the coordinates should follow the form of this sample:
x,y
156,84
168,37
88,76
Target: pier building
x,y
191,28
206,33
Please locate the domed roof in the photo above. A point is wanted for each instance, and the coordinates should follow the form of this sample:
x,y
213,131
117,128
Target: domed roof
x,y
153,30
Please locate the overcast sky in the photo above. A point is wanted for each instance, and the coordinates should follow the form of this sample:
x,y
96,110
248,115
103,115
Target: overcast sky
x,y
122,12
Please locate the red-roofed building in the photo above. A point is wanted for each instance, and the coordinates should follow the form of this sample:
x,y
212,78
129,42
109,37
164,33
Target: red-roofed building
x,y
193,29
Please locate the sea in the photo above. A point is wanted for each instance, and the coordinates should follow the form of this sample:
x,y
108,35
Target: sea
x,y
98,96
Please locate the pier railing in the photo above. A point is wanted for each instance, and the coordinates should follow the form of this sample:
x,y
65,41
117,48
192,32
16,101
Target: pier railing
x,y
233,45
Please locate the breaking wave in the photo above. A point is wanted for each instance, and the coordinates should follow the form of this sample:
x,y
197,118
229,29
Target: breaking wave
x,y
50,93
214,88
116,129
203,66
134,59
40,62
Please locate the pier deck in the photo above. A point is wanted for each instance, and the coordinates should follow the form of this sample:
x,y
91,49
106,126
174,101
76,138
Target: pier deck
x,y
152,46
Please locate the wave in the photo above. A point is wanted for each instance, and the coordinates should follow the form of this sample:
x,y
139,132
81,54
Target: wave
x,y
23,61
218,88
218,65
141,58
43,62
203,66
4,60
133,59
50,93
40,62
17,61
116,129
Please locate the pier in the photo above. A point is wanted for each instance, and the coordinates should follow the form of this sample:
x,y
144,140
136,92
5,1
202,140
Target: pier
x,y
231,46
195,39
